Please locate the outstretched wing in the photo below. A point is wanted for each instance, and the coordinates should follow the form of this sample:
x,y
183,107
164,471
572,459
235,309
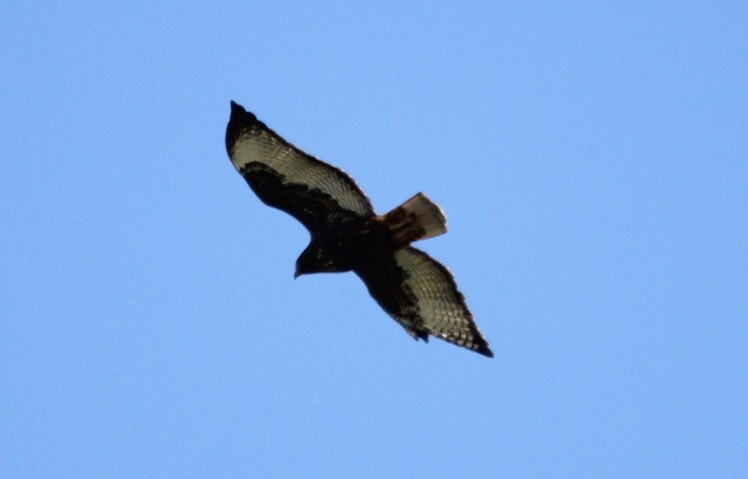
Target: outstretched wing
x,y
421,295
285,177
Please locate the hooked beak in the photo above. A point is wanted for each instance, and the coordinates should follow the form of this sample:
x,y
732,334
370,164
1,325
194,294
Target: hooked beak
x,y
296,273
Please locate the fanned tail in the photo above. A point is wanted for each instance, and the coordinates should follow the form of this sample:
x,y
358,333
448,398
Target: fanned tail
x,y
416,219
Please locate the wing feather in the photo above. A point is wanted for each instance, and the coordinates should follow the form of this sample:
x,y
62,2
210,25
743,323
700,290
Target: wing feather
x,y
285,177
421,295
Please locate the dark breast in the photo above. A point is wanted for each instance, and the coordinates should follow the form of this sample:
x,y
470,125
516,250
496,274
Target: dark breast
x,y
353,243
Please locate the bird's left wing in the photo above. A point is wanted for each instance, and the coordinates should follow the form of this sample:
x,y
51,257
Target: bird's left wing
x,y
285,177
421,295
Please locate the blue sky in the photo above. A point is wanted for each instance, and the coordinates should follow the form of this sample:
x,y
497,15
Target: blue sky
x,y
591,159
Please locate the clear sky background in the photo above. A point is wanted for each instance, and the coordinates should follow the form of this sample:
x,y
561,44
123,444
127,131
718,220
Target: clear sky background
x,y
592,160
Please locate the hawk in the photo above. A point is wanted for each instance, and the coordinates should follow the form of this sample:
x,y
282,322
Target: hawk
x,y
347,235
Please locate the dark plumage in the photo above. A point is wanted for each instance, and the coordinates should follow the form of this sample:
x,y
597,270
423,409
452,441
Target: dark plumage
x,y
346,234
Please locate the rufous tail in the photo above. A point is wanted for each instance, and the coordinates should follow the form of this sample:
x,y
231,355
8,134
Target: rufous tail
x,y
416,219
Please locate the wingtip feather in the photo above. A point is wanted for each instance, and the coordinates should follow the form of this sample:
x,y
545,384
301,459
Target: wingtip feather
x,y
484,350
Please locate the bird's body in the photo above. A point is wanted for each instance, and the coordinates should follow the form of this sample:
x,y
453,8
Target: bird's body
x,y
346,234
344,246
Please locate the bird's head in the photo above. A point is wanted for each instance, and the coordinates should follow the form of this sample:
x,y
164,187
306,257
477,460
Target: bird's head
x,y
315,259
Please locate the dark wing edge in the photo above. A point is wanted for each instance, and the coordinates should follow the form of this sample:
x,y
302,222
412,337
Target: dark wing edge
x,y
421,294
286,178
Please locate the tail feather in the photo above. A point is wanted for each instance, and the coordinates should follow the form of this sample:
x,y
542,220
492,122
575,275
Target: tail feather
x,y
416,219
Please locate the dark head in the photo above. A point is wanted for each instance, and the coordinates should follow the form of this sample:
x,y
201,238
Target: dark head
x,y
316,259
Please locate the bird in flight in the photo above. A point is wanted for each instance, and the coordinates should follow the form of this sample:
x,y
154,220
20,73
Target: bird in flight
x,y
347,235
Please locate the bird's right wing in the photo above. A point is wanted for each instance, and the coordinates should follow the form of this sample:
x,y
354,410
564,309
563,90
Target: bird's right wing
x,y
421,295
285,177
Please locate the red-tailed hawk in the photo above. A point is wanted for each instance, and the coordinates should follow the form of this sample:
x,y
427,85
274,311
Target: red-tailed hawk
x,y
346,234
